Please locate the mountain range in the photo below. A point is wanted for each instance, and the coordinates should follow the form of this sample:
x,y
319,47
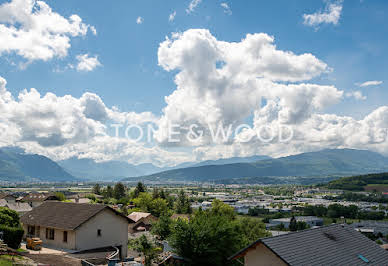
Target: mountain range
x,y
116,170
325,163
17,166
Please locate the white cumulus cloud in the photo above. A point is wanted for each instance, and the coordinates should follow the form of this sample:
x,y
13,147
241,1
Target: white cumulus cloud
x,y
32,30
224,82
87,63
331,14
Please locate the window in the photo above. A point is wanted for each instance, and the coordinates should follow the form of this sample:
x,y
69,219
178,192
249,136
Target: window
x,y
98,232
49,233
31,230
65,236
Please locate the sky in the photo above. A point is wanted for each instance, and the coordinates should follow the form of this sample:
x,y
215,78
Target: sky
x,y
75,73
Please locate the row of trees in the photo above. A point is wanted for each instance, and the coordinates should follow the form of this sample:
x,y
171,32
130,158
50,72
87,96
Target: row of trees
x,y
337,210
156,202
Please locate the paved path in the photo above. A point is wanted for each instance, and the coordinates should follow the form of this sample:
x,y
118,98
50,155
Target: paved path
x,y
54,260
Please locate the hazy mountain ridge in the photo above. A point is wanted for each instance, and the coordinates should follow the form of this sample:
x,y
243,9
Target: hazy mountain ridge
x,y
15,165
337,162
114,170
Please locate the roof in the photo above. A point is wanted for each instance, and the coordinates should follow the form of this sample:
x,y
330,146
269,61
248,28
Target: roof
x,y
63,215
37,197
3,202
19,207
136,216
328,245
298,218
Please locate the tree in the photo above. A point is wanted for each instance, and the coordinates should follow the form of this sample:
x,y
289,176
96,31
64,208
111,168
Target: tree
x,y
252,229
220,208
163,227
143,245
9,217
60,196
97,189
159,207
108,192
155,193
119,191
206,239
209,237
156,207
183,203
300,225
140,187
293,224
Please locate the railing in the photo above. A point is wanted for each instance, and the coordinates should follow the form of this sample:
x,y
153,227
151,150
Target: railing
x,y
114,255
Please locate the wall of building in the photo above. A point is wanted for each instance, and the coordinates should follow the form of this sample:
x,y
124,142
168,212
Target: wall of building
x,y
114,232
57,242
261,255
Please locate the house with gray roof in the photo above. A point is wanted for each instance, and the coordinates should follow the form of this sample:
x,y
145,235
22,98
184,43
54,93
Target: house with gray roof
x,y
328,245
77,226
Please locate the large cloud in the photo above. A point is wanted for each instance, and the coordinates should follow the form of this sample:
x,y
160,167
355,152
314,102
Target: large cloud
x,y
32,30
222,82
61,127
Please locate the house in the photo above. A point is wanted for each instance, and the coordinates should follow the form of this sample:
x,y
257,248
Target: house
x,y
10,198
20,207
77,226
309,220
140,221
329,245
36,199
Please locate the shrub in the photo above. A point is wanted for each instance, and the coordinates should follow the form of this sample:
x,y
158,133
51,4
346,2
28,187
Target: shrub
x,y
12,236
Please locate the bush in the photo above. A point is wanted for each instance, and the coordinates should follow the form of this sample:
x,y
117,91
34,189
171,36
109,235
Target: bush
x,y
12,236
9,217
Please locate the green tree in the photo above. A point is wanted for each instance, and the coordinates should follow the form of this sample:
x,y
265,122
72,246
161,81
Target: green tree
x,y
183,203
140,187
159,207
119,191
155,193
293,224
220,208
156,207
9,217
108,192
60,196
209,237
163,227
145,246
97,189
206,239
300,225
251,229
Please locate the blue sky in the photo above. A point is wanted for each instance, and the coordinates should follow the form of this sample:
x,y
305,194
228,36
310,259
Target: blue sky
x,y
130,78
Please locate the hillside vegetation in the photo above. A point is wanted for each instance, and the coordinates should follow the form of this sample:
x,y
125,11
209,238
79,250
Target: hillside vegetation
x,y
358,183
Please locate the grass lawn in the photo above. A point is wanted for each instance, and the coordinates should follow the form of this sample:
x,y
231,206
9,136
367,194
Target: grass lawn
x,y
5,260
